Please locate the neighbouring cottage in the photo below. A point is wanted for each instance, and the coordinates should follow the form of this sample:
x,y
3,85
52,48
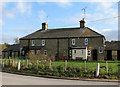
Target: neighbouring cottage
x,y
80,43
11,51
112,50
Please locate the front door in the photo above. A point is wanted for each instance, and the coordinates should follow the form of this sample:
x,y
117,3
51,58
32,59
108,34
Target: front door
x,y
118,54
94,55
109,54
10,53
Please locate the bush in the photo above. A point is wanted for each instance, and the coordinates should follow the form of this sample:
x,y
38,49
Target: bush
x,y
60,69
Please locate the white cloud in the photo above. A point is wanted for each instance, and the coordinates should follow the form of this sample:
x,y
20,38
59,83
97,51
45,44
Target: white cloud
x,y
2,6
64,4
8,38
21,7
9,14
109,35
1,22
107,5
24,7
106,30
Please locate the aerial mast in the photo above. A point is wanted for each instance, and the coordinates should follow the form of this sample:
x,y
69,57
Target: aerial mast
x,y
84,9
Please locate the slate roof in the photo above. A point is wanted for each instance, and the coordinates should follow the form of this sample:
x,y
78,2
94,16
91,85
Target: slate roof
x,y
113,45
63,33
14,47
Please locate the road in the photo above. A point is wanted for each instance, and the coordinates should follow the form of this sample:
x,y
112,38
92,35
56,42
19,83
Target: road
x,y
14,79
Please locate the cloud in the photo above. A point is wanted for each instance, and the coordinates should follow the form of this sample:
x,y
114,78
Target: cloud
x,y
21,7
24,7
106,30
8,38
9,14
109,35
64,4
108,12
2,6
1,22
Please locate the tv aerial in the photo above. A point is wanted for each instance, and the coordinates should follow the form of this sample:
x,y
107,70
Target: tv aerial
x,y
84,9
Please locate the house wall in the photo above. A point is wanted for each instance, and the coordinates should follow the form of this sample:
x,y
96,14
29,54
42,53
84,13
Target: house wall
x,y
93,43
79,54
60,46
6,54
114,55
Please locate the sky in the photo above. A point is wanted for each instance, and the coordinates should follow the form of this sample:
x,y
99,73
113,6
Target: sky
x,y
19,19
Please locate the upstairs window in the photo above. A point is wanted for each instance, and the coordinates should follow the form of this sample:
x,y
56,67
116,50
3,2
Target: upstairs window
x,y
33,43
86,41
45,52
74,51
100,49
89,53
73,41
43,42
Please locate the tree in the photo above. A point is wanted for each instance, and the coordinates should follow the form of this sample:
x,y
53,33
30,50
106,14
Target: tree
x,y
16,40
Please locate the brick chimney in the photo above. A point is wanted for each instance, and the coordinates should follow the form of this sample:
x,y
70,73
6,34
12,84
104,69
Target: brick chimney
x,y
44,26
82,23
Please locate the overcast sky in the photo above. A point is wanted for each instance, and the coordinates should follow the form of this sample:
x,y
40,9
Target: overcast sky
x,y
22,18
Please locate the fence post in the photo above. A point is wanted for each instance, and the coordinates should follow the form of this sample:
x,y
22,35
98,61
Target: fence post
x,y
0,61
65,65
3,64
50,65
27,62
106,66
9,61
84,65
97,70
37,64
19,65
13,63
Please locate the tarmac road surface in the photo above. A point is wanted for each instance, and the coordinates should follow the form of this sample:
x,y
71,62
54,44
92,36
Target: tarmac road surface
x,y
14,79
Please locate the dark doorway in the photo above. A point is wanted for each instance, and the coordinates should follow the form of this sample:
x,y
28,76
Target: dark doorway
x,y
10,53
118,54
109,54
94,54
18,54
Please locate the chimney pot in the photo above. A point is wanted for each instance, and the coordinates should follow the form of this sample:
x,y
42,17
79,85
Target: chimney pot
x,y
82,23
44,26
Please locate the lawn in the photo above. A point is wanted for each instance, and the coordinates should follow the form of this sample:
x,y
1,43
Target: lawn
x,y
74,68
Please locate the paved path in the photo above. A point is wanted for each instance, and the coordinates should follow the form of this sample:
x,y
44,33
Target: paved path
x,y
14,79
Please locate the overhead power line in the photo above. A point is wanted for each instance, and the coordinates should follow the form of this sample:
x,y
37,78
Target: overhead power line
x,y
104,19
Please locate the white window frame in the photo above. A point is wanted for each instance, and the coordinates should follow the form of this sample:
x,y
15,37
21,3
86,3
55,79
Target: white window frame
x,y
82,52
89,52
38,51
33,43
86,41
100,49
21,50
32,51
73,41
45,52
43,42
75,52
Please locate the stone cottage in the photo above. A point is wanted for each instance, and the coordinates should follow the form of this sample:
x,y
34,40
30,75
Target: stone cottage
x,y
78,43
